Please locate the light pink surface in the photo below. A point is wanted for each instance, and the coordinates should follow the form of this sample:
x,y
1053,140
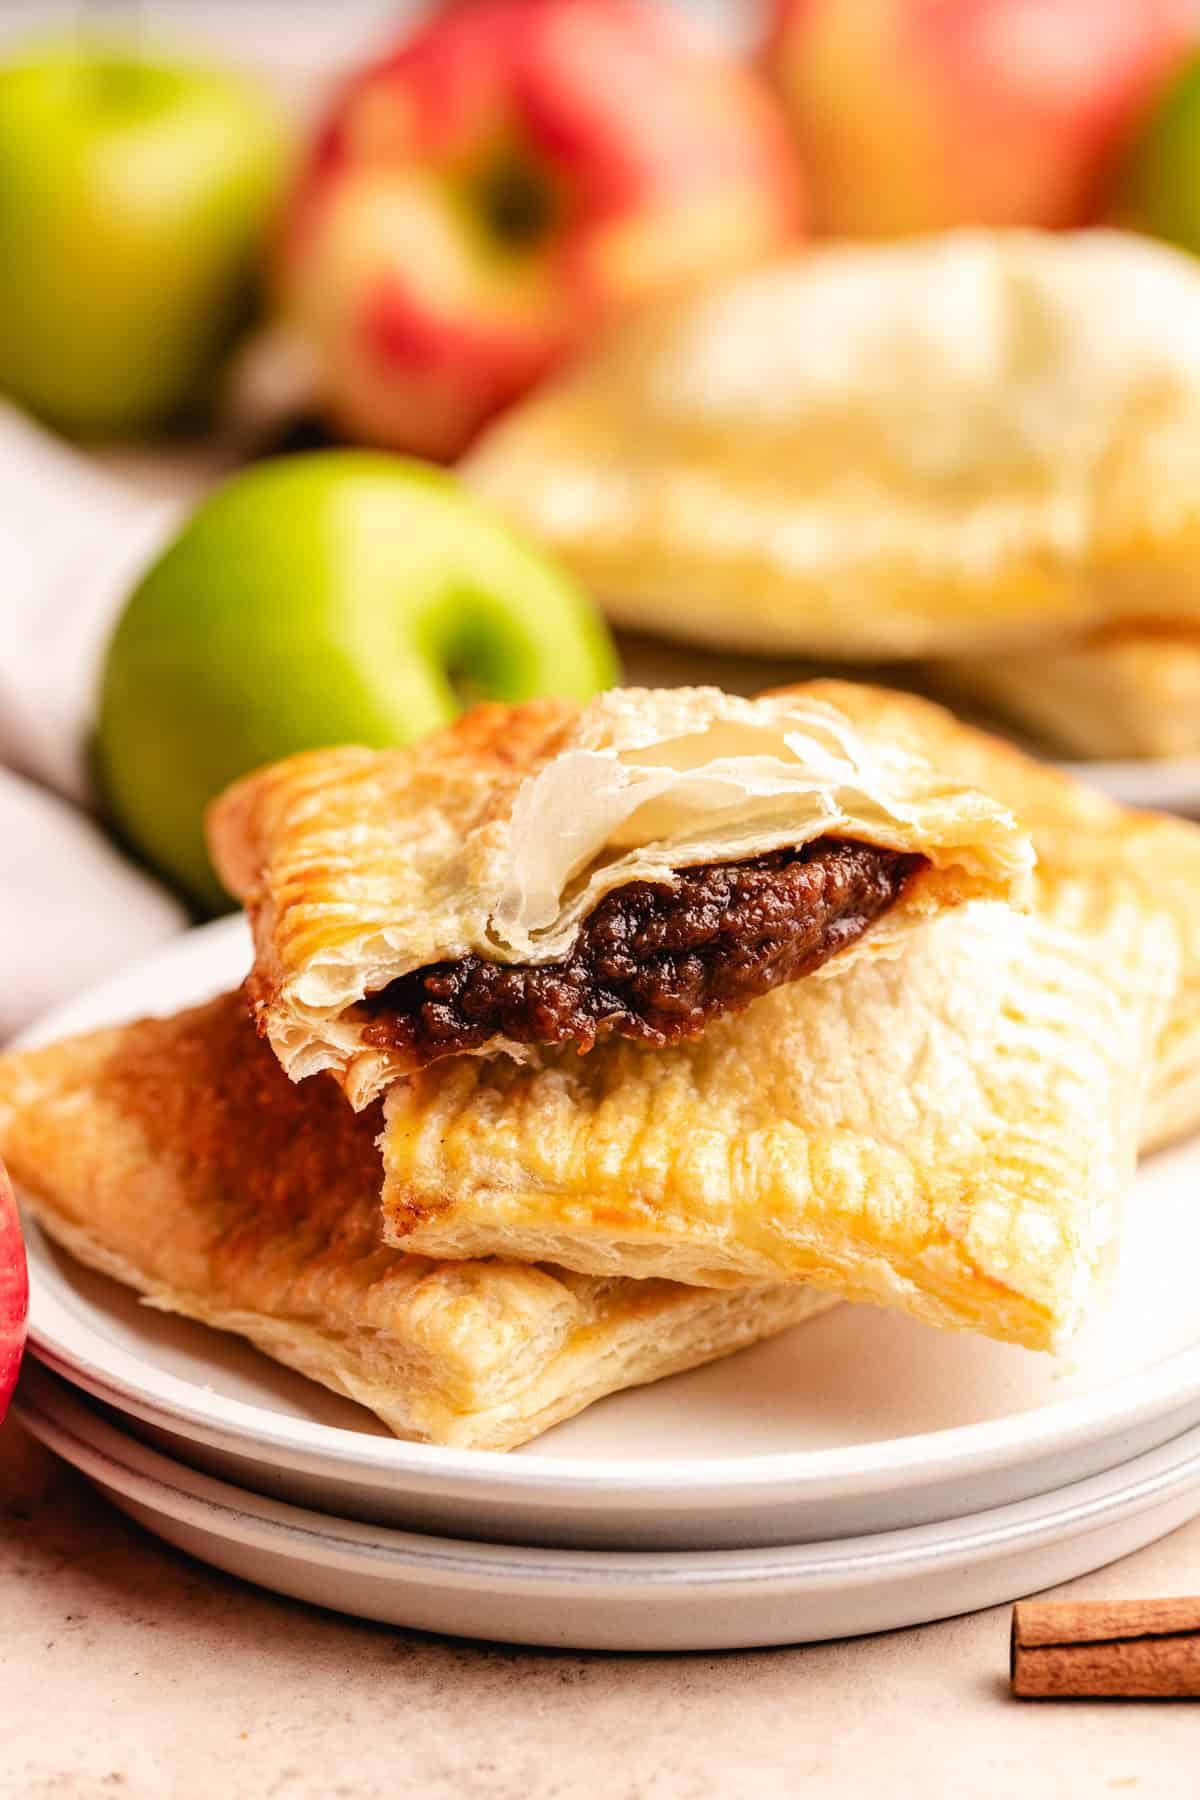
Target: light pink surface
x,y
126,1669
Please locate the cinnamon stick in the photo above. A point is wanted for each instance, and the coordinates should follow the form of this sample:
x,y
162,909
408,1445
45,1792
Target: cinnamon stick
x,y
1133,1649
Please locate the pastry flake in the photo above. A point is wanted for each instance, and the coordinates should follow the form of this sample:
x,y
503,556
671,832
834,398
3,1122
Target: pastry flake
x,y
972,442
175,1155
548,873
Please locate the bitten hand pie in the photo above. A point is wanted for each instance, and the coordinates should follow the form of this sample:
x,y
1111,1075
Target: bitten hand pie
x,y
946,446
176,1156
548,874
1124,691
948,1130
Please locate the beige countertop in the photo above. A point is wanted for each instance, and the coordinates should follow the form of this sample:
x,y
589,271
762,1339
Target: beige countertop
x,y
128,1670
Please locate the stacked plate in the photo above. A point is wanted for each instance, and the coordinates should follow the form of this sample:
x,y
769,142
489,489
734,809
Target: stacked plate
x,y
860,1473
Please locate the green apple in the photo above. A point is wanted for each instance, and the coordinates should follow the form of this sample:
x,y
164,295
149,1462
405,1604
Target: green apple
x,y
343,596
133,199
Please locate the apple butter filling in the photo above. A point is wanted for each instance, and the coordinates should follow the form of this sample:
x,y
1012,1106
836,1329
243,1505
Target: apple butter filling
x,y
654,960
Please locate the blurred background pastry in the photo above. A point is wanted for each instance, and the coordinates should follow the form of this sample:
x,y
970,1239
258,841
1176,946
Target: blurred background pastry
x,y
978,446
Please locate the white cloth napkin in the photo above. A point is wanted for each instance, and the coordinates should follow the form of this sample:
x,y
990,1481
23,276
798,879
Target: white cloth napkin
x,y
72,542
72,908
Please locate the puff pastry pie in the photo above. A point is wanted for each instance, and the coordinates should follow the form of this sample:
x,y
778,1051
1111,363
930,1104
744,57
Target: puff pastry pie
x,y
1124,691
938,447
546,874
176,1156
949,1130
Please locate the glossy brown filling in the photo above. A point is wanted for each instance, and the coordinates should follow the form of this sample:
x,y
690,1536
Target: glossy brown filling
x,y
653,961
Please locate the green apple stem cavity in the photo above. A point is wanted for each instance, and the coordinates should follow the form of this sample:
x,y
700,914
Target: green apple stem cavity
x,y
338,597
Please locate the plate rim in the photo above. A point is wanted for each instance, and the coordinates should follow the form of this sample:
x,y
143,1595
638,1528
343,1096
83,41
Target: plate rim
x,y
1153,1477
952,1452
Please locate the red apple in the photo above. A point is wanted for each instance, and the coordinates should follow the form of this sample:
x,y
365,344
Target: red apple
x,y
487,197
14,1292
913,115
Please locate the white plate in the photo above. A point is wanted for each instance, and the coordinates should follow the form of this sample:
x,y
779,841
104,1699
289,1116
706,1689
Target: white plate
x,y
860,1421
627,1600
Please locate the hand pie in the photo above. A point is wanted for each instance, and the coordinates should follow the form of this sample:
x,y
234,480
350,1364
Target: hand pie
x,y
949,1130
1087,846
945,446
175,1155
1125,691
547,874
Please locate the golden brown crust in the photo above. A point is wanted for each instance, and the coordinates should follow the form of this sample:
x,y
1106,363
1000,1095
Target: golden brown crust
x,y
175,1155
